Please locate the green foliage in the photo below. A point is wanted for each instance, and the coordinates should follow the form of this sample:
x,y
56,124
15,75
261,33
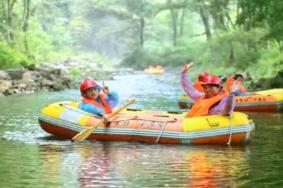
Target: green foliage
x,y
79,28
139,59
100,59
168,56
258,13
75,72
269,63
237,48
11,58
143,32
39,42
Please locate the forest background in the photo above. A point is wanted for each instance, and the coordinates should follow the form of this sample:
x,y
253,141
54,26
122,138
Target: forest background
x,y
224,36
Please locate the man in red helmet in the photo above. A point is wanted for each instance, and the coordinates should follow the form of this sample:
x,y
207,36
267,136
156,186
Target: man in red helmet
x,y
97,100
213,99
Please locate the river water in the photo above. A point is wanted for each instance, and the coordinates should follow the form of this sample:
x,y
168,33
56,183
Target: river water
x,y
29,157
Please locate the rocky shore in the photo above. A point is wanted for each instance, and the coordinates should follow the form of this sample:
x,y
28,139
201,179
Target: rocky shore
x,y
50,77
69,74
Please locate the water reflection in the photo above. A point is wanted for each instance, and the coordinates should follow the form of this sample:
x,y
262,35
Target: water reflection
x,y
130,165
60,165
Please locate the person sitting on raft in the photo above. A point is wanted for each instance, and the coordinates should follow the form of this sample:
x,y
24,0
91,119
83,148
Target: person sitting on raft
x,y
236,80
214,99
97,100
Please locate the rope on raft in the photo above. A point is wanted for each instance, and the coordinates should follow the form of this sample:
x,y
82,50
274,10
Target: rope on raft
x,y
162,129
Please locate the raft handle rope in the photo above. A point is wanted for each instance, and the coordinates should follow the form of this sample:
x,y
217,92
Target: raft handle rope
x,y
230,136
217,124
163,127
137,118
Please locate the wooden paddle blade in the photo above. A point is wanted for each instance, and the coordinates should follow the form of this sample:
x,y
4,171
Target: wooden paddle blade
x,y
84,134
81,136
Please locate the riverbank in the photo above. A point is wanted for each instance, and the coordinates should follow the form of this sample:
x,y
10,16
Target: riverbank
x,y
52,76
69,73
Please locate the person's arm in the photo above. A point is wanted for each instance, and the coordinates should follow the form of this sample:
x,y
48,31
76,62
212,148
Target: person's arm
x,y
229,102
112,99
224,107
92,109
229,105
188,85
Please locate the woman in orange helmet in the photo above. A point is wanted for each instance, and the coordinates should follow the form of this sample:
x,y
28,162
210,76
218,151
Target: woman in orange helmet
x,y
213,99
97,100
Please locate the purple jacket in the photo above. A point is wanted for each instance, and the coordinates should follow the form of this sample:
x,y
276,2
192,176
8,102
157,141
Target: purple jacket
x,y
195,94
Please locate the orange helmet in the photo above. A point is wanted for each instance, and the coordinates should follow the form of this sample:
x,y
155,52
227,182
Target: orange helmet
x,y
202,76
211,80
86,84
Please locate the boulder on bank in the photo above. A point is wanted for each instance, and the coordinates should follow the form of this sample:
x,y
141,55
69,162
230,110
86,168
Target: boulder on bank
x,y
51,76
4,75
25,81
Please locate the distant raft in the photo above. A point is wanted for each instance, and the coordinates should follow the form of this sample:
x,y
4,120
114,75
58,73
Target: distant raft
x,y
261,101
158,69
65,120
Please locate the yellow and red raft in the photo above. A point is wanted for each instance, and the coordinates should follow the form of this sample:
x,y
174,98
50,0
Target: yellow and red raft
x,y
266,100
65,120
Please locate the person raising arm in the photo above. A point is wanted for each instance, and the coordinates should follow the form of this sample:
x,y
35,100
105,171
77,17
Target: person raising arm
x,y
213,100
97,100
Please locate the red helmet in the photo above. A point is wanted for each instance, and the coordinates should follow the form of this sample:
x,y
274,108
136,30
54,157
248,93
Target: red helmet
x,y
202,76
86,84
211,80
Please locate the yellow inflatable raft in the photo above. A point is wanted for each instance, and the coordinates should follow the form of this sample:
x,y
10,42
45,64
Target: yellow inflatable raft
x,y
65,120
266,100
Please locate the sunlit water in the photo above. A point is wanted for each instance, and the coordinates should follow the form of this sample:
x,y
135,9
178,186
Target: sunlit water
x,y
29,157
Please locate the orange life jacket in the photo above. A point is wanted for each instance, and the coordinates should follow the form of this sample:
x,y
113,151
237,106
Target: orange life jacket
x,y
229,83
105,106
198,86
202,105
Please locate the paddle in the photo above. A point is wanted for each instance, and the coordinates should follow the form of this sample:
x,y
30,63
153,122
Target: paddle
x,y
86,132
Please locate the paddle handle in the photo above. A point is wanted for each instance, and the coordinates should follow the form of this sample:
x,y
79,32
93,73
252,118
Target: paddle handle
x,y
131,101
86,132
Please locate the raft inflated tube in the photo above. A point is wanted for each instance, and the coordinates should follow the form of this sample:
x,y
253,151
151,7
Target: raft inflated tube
x,y
64,119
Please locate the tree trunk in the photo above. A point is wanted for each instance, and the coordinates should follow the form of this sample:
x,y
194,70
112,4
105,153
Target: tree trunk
x,y
142,22
25,19
26,15
205,20
174,17
141,32
218,10
8,8
280,45
181,32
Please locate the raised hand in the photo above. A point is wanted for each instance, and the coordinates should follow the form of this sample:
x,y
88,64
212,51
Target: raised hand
x,y
235,86
187,67
106,90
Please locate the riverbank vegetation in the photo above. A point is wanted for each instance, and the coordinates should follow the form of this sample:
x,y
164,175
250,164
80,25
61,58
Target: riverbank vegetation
x,y
221,35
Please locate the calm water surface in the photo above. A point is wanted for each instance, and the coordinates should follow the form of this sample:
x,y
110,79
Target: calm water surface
x,y
32,158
